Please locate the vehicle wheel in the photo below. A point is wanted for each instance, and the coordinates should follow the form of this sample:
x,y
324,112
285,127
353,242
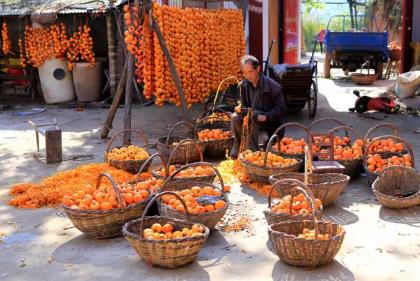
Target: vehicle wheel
x,y
313,100
327,66
379,69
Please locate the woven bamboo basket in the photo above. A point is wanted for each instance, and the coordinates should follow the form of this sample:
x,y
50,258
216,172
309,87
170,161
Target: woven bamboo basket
x,y
263,173
303,252
170,253
395,132
363,79
183,180
187,152
397,187
352,167
373,175
131,166
300,156
105,224
216,149
208,121
209,219
293,186
325,187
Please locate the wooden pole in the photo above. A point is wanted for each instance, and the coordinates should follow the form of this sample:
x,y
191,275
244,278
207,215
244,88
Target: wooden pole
x,y
155,27
116,101
128,97
111,55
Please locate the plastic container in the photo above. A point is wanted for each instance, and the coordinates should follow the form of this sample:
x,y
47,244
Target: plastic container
x,y
87,81
56,81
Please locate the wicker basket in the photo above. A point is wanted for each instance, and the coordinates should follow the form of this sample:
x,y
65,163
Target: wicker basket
x,y
105,224
395,132
213,122
352,167
397,187
292,186
187,152
325,187
373,175
303,252
131,166
176,181
209,219
170,253
363,79
263,173
300,156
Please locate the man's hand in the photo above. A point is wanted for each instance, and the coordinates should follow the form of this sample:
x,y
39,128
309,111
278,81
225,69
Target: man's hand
x,y
262,118
238,109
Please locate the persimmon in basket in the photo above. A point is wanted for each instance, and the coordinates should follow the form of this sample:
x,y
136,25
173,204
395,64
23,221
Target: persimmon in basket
x,y
291,146
104,197
131,152
375,163
326,140
216,116
309,234
386,145
167,231
300,205
198,171
213,134
273,160
190,197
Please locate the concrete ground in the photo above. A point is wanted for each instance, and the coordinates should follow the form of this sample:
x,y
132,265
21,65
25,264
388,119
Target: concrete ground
x,y
380,244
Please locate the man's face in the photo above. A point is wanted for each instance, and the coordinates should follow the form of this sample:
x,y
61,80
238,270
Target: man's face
x,y
249,73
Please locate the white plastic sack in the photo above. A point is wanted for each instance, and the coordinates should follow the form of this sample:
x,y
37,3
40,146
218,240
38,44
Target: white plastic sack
x,y
407,84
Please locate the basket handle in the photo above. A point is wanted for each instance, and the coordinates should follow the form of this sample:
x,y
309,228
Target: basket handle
x,y
298,186
410,170
195,164
407,145
149,160
297,125
200,121
187,124
347,128
123,131
323,120
382,125
213,109
114,185
171,156
150,204
269,148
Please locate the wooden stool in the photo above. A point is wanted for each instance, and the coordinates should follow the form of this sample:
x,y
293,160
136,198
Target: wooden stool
x,y
330,165
52,134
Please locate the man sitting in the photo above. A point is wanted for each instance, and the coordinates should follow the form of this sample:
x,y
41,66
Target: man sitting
x,y
265,97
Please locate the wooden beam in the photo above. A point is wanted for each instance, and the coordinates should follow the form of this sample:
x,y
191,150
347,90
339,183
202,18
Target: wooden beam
x,y
155,27
111,55
116,101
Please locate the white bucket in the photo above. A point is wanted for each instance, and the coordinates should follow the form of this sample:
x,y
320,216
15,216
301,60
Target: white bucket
x,y
56,81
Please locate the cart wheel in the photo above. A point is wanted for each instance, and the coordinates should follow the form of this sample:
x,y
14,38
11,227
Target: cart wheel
x,y
327,66
313,100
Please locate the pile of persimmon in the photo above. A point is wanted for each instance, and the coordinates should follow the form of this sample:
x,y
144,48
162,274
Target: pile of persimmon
x,y
375,163
167,231
198,171
309,234
217,116
205,46
81,47
104,197
273,160
5,39
291,146
131,152
386,145
300,205
353,152
213,134
326,140
190,198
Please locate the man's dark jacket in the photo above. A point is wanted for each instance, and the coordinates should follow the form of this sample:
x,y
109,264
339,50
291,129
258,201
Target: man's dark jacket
x,y
269,102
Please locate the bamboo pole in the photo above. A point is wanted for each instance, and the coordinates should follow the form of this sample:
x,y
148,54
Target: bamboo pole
x,y
111,55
